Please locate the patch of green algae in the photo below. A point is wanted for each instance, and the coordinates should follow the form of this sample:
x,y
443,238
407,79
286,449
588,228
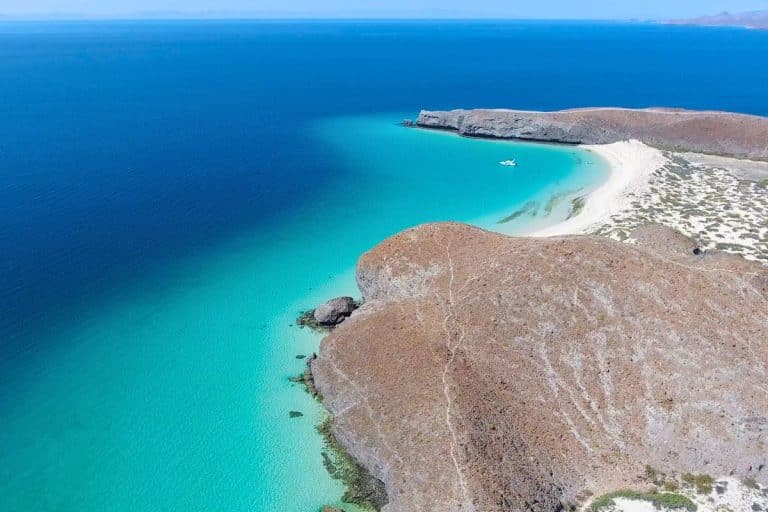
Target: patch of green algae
x,y
363,489
577,205
530,208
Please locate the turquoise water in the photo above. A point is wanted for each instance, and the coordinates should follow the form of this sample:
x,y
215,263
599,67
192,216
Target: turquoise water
x,y
176,396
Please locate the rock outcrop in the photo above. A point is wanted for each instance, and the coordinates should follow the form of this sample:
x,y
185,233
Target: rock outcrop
x,y
489,373
334,311
328,315
718,133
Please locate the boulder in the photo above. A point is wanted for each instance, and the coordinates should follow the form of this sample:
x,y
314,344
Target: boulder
x,y
334,311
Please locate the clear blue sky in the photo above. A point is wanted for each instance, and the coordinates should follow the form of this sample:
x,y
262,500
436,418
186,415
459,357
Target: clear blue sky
x,y
655,9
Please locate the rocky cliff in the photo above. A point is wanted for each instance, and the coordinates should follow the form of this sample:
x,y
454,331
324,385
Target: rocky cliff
x,y
489,373
719,133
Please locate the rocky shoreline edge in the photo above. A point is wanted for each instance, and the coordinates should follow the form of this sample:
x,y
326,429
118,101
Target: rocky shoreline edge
x,y
363,490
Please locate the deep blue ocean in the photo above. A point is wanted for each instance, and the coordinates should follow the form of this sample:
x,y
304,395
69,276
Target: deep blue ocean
x,y
172,193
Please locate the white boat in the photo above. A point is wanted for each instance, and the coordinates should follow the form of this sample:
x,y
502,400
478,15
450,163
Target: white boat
x,y
509,163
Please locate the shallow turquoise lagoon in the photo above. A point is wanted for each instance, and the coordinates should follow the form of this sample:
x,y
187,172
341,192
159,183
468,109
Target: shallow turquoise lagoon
x,y
174,394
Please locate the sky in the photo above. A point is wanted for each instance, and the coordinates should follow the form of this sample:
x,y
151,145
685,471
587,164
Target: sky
x,y
557,9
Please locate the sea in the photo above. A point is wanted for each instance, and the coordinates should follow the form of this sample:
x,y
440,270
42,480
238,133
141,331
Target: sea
x,y
174,193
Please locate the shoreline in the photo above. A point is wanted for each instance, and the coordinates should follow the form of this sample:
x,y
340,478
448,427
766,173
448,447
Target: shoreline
x,y
630,165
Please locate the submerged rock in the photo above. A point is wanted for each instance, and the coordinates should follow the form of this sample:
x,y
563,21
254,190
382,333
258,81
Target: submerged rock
x,y
307,378
490,373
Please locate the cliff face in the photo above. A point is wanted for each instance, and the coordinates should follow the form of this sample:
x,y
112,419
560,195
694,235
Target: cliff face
x,y
488,373
720,133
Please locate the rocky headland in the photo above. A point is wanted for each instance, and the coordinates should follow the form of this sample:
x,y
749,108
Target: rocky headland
x,y
490,373
716,133
559,372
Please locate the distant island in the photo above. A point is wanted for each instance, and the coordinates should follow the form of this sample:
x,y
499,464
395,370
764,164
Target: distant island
x,y
752,19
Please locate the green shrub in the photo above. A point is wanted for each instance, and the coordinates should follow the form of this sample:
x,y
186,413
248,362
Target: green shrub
x,y
669,501
702,483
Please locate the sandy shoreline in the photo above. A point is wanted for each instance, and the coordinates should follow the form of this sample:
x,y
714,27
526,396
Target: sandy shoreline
x,y
631,164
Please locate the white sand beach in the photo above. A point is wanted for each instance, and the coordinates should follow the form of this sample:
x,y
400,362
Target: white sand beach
x,y
631,165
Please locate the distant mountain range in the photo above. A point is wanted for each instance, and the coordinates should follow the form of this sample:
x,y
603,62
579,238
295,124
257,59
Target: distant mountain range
x,y
753,19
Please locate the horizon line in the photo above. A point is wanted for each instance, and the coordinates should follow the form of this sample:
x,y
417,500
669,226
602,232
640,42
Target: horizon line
x,y
192,17
256,14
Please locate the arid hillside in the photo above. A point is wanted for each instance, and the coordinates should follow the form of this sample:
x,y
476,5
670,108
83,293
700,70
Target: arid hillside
x,y
489,373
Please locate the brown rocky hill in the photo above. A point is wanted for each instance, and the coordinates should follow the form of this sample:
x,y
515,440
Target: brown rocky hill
x,y
489,373
719,133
